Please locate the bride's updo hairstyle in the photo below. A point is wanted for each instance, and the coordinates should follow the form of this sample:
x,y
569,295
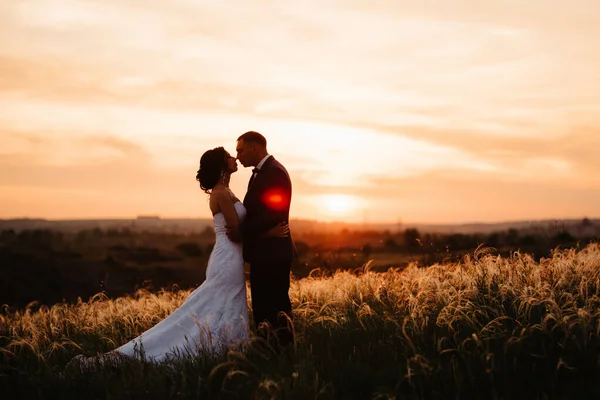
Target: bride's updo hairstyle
x,y
212,164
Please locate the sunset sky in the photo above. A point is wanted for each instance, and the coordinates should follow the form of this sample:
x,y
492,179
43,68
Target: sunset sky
x,y
415,111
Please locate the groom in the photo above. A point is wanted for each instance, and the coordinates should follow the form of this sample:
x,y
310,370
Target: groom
x,y
267,203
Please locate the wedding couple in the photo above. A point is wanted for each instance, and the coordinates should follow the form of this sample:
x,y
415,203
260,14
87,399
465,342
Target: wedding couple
x,y
215,316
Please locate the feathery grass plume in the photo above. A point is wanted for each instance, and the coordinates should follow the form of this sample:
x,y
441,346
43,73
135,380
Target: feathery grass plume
x,y
502,327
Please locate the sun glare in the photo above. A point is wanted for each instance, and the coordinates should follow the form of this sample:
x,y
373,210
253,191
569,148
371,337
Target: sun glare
x,y
339,204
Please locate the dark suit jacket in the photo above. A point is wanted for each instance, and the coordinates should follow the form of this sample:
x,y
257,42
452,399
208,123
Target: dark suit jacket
x,y
267,203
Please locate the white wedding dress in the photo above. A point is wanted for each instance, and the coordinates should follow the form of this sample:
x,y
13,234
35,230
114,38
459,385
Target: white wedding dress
x,y
214,317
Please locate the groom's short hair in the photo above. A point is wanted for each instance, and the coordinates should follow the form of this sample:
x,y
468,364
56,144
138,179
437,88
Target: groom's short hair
x,y
253,137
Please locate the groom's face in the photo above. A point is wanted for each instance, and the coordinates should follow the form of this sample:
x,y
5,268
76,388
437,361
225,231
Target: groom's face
x,y
246,153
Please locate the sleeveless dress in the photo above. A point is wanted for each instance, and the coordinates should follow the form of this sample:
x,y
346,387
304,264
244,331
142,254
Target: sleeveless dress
x,y
215,315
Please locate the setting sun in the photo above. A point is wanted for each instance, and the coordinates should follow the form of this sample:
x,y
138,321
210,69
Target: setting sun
x,y
339,204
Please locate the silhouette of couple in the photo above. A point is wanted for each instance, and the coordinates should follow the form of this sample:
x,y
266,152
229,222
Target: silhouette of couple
x,y
215,315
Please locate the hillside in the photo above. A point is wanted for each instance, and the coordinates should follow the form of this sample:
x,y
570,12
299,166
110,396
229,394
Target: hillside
x,y
300,226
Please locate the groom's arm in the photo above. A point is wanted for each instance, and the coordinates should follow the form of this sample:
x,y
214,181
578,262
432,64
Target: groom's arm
x,y
274,203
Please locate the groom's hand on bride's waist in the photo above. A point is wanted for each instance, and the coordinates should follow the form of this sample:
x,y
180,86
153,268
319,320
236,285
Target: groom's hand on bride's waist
x,y
281,230
234,235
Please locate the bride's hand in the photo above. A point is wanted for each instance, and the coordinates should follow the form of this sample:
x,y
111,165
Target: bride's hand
x,y
281,230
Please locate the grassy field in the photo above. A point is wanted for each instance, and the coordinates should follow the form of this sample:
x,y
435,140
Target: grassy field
x,y
487,327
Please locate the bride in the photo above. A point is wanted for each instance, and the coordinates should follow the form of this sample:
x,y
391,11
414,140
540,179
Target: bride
x,y
215,315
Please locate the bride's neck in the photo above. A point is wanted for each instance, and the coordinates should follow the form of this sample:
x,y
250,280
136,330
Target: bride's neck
x,y
225,180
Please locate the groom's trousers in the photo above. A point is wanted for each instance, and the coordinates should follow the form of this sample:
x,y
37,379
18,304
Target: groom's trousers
x,y
269,287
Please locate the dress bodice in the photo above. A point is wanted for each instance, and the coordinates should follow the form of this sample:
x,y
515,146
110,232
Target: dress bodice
x,y
219,218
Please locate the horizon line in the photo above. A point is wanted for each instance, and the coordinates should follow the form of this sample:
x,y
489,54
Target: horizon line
x,y
389,222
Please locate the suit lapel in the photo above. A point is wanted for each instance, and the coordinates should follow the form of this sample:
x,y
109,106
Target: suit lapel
x,y
253,182
252,179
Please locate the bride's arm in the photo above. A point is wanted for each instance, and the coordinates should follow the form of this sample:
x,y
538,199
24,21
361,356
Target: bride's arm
x,y
227,207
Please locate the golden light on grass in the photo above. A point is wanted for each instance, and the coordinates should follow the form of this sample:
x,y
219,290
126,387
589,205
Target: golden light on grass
x,y
478,318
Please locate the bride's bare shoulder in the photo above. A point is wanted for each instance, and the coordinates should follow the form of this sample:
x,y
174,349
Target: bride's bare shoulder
x,y
216,194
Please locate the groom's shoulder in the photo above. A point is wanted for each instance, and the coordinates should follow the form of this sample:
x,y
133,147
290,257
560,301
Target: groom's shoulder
x,y
276,164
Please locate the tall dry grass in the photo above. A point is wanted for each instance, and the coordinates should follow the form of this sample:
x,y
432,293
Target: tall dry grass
x,y
487,327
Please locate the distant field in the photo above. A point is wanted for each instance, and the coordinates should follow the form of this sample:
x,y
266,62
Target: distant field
x,y
486,327
394,260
